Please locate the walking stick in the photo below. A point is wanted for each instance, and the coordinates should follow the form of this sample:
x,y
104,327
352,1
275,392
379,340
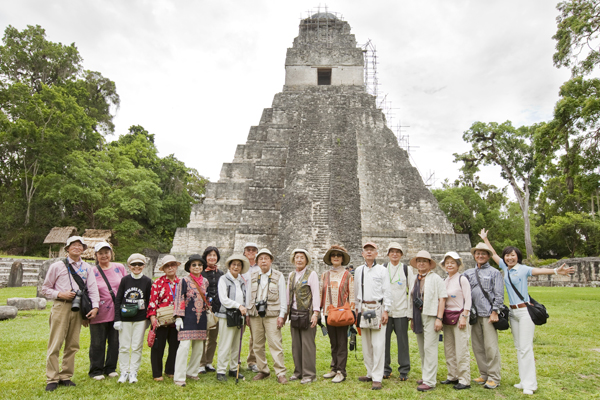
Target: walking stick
x,y
237,375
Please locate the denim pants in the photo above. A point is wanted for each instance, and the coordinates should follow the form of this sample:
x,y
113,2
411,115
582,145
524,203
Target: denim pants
x,y
103,361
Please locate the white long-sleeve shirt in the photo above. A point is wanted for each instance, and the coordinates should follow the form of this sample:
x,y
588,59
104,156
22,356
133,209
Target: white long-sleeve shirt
x,y
377,286
239,295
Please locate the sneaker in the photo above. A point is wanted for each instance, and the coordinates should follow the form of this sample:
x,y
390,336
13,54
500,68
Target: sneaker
x,y
51,386
123,378
261,376
424,388
460,386
479,381
66,382
282,379
194,378
294,378
330,374
221,378
133,377
339,377
518,386
98,377
202,370
233,373
449,382
253,368
180,383
210,368
365,379
376,386
527,391
113,375
491,385
304,381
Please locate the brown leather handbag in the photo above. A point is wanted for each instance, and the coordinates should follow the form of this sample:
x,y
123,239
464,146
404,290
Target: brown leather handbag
x,y
339,316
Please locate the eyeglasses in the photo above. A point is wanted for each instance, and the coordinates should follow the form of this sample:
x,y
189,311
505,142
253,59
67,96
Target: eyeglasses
x,y
137,264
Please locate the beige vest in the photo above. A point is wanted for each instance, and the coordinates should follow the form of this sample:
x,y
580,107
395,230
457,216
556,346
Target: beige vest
x,y
273,295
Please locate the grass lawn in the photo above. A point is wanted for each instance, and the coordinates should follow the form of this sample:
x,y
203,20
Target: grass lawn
x,y
567,352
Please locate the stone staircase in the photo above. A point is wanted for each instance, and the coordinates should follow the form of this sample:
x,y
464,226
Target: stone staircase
x,y
31,270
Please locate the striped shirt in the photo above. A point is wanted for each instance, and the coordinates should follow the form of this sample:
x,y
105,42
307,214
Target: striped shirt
x,y
492,283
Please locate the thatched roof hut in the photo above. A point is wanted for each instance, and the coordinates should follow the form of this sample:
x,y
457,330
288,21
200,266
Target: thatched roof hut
x,y
93,236
59,235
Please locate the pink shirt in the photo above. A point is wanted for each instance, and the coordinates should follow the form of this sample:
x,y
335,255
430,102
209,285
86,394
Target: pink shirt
x,y
58,279
458,293
313,283
106,311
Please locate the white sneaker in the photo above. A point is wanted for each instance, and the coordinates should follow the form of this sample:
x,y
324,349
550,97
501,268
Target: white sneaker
x,y
113,375
518,385
123,378
339,377
133,377
202,370
330,374
527,391
98,377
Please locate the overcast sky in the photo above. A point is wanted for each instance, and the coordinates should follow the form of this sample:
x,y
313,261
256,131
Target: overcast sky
x,y
198,74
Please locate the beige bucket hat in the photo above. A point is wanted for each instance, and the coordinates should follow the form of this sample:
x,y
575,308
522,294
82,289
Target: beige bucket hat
x,y
308,258
394,245
75,239
340,249
422,254
481,246
239,257
265,251
168,259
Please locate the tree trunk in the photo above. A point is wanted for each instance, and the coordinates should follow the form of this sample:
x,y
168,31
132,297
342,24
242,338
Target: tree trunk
x,y
523,199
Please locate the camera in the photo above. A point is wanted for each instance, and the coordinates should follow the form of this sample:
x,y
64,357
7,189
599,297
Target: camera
x,y
261,308
76,304
418,303
353,333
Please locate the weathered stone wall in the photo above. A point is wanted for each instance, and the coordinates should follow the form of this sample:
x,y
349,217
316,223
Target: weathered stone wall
x,y
587,273
30,270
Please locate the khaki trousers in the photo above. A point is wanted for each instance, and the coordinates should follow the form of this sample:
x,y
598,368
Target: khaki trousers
x,y
251,360
373,341
265,330
428,350
210,346
484,339
456,349
64,328
304,352
181,360
229,347
131,338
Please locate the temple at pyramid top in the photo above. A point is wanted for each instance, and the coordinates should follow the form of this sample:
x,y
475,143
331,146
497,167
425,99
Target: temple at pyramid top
x,y
320,168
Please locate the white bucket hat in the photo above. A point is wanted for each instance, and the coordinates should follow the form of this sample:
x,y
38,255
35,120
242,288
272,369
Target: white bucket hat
x,y
452,254
75,239
308,258
100,245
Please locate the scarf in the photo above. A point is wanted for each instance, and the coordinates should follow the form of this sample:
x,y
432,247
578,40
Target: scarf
x,y
209,268
417,314
198,280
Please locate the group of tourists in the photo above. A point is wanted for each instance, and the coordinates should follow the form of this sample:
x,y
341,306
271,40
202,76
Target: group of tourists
x,y
210,306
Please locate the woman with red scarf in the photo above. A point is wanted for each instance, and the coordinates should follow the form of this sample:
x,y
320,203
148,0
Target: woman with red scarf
x,y
191,320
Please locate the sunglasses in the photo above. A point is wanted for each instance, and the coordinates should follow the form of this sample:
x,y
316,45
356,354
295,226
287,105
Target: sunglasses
x,y
196,264
137,264
336,255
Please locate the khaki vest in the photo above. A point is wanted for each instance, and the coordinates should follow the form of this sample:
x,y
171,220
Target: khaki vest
x,y
301,291
273,295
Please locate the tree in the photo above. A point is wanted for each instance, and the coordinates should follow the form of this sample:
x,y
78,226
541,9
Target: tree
x,y
577,37
573,234
512,150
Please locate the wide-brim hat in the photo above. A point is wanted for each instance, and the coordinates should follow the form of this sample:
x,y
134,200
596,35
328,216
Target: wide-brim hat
x,y
394,245
340,249
193,257
240,257
452,254
422,254
75,239
308,258
481,246
265,251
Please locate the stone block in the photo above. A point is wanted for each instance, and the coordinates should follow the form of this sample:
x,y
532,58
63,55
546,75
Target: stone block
x,y
15,278
36,303
8,312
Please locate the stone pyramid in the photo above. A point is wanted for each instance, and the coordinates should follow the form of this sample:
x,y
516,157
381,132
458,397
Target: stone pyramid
x,y
320,168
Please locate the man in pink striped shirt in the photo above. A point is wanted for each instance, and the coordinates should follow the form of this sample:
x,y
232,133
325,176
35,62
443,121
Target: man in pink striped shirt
x,y
65,324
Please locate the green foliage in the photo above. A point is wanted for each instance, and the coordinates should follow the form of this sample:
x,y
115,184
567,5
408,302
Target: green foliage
x,y
572,235
577,36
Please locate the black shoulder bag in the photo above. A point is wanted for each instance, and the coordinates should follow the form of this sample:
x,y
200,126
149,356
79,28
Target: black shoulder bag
x,y
234,315
112,294
502,323
537,311
86,302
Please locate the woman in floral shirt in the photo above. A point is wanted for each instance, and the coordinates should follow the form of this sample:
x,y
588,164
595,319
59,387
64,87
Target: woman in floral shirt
x,y
162,295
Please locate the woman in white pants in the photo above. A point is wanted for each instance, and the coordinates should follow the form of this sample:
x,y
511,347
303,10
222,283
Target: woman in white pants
x,y
232,295
425,310
456,323
130,317
191,320
521,325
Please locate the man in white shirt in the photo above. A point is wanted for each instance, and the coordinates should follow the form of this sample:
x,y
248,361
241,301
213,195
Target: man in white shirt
x,y
267,307
400,276
372,289
250,250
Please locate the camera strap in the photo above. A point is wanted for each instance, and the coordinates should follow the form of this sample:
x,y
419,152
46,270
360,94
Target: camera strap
x,y
76,276
487,296
259,289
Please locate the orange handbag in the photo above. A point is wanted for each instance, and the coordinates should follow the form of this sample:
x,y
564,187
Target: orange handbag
x,y
339,316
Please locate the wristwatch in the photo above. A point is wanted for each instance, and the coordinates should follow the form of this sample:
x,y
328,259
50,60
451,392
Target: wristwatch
x,y
439,318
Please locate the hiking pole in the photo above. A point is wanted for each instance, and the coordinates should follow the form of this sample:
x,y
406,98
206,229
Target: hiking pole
x,y
237,375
